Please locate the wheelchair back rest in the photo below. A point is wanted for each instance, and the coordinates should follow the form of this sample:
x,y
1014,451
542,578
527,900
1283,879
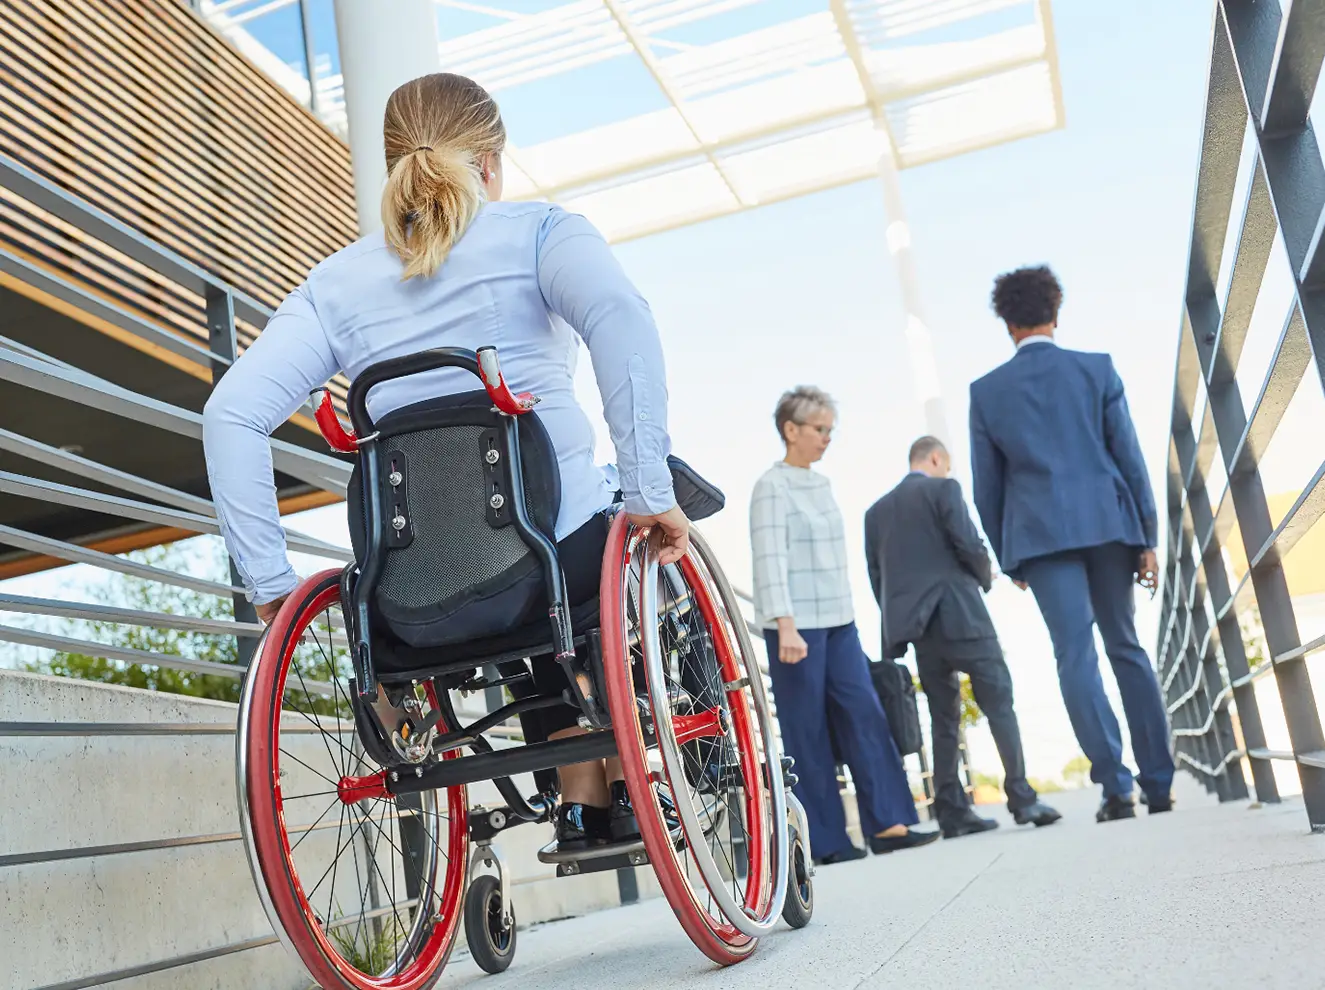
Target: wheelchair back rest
x,y
456,569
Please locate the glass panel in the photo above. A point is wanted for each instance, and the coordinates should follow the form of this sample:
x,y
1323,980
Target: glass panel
x,y
1246,169
1267,323
1296,449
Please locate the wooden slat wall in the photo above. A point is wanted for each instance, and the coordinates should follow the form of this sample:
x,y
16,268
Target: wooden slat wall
x,y
138,107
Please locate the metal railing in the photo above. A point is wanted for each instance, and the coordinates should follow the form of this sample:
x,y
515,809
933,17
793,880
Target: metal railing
x,y
1264,68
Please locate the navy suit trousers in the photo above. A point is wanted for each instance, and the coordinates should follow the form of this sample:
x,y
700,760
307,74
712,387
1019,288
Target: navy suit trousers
x,y
1076,591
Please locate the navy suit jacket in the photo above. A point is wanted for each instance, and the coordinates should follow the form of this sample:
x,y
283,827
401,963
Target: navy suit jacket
x,y
1054,457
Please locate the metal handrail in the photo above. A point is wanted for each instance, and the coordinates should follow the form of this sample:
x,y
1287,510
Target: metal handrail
x,y
1204,663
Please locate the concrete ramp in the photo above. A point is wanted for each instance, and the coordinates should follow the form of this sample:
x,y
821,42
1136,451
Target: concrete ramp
x,y
1209,896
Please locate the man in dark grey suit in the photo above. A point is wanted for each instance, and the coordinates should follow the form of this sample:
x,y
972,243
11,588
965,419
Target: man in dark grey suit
x,y
929,567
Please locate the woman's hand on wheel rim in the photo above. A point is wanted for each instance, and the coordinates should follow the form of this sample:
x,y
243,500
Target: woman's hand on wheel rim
x,y
268,610
672,530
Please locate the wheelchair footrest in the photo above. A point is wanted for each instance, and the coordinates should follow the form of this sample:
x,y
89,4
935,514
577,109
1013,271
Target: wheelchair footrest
x,y
595,859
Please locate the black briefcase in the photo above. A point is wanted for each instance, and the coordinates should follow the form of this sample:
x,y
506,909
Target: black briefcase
x,y
897,692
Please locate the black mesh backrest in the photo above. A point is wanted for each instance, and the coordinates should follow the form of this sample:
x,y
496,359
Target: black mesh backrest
x,y
456,568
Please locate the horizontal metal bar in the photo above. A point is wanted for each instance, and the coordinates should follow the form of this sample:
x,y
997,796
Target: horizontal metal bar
x,y
509,762
1315,759
126,616
124,654
319,470
80,298
22,540
114,849
1272,754
126,508
1301,651
1253,675
80,729
175,962
93,471
41,192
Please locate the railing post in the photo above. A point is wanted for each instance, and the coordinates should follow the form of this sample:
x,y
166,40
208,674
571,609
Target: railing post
x,y
225,345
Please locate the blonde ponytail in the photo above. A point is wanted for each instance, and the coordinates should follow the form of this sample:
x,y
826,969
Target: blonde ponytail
x,y
438,131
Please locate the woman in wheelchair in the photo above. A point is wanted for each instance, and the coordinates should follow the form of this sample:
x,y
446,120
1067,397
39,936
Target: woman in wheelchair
x,y
455,267
484,535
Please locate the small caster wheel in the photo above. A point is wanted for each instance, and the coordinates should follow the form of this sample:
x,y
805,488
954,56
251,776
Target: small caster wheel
x,y
491,941
798,908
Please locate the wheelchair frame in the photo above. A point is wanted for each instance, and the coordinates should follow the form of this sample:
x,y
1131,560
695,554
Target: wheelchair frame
x,y
585,670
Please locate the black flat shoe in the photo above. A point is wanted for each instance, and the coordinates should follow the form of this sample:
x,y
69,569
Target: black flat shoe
x,y
580,826
848,855
1038,814
622,826
969,823
1116,808
881,844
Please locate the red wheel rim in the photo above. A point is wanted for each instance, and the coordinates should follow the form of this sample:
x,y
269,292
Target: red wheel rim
x,y
720,941
271,842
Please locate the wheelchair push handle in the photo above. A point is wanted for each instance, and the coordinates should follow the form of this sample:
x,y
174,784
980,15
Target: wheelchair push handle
x,y
482,363
333,431
498,391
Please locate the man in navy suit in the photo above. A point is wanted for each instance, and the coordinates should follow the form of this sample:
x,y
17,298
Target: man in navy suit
x,y
1065,500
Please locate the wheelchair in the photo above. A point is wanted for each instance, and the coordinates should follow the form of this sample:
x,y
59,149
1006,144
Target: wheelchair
x,y
352,760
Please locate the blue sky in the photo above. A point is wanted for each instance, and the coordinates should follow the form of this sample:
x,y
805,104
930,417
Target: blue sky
x,y
803,292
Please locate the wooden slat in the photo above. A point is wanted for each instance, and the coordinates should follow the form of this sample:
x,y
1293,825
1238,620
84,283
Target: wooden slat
x,y
144,111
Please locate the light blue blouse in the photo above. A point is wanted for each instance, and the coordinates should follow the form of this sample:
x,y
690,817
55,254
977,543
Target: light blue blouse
x,y
525,277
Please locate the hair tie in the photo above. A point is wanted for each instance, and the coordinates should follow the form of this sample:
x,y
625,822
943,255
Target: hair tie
x,y
422,147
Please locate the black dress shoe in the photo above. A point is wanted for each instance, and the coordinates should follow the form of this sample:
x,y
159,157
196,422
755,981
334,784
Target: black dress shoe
x,y
1116,808
1159,805
1037,814
847,855
968,823
881,844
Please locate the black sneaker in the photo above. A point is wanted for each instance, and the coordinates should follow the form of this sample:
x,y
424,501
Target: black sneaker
x,y
579,826
622,826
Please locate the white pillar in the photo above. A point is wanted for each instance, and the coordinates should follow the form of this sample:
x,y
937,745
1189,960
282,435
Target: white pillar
x,y
924,370
383,43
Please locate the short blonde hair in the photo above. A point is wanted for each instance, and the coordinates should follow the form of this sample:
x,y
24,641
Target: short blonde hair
x,y
437,131
797,404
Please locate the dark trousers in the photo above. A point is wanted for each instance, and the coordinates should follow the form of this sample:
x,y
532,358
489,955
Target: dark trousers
x,y
836,670
1076,591
938,662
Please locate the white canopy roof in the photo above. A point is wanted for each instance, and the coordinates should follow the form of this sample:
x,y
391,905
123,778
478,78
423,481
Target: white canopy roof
x,y
762,100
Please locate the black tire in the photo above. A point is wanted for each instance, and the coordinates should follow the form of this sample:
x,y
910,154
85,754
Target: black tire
x,y
799,905
492,947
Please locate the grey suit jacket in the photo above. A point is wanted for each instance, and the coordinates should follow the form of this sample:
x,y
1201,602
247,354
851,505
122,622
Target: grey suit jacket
x,y
927,564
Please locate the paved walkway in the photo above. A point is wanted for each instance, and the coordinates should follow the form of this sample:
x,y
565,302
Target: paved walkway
x,y
1206,897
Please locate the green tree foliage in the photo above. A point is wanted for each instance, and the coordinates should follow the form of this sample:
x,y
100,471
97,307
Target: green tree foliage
x,y
1076,772
201,558
971,714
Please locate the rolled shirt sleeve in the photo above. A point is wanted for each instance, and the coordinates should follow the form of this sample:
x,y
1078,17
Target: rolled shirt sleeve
x,y
263,389
583,283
